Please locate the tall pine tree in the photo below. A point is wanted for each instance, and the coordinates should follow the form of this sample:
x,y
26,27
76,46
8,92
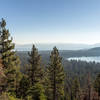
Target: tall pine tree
x,y
56,75
35,71
9,59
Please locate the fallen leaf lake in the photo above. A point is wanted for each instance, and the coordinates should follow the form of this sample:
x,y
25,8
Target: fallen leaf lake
x,y
88,59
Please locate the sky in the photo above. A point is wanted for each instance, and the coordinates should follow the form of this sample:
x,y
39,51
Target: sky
x,y
52,21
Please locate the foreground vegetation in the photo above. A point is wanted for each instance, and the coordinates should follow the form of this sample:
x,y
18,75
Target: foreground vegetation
x,y
44,81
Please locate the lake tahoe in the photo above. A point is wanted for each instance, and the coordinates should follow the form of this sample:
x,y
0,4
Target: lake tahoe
x,y
88,59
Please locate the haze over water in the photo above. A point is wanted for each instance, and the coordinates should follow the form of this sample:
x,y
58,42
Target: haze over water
x,y
88,59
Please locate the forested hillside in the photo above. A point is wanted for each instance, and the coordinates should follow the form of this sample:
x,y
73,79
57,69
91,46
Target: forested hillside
x,y
67,53
45,75
72,68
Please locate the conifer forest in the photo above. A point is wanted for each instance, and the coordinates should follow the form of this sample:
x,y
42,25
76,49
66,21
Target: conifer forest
x,y
30,76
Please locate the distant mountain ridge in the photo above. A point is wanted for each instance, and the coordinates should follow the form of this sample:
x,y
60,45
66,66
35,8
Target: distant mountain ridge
x,y
96,49
79,53
60,46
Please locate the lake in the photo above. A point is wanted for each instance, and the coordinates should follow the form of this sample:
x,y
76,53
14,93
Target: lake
x,y
88,59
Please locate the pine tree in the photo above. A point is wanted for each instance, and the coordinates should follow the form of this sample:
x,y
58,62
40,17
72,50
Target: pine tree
x,y
9,59
89,88
97,84
75,89
35,71
56,75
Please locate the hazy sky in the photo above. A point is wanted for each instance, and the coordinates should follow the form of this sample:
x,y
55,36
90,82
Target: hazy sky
x,y
52,21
